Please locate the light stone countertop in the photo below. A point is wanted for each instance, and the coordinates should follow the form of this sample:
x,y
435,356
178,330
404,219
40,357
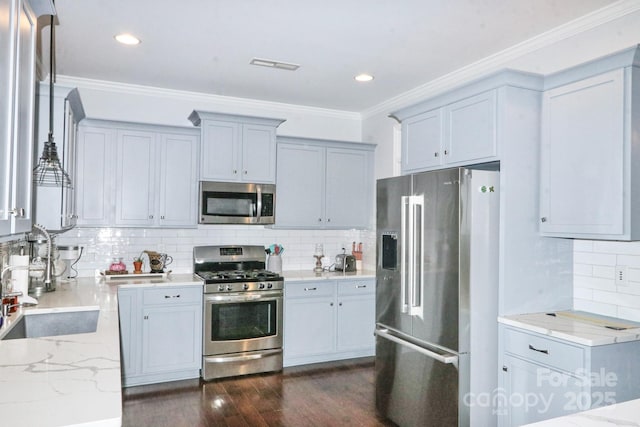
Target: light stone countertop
x,y
619,414
69,380
576,326
296,275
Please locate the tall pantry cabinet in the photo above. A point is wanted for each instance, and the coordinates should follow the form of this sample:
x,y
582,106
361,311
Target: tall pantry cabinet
x,y
18,26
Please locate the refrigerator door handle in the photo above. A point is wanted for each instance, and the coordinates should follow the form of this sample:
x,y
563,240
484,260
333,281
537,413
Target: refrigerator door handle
x,y
446,358
405,253
416,259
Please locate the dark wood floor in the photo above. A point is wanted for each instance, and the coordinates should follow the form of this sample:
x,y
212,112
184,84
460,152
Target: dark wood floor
x,y
331,394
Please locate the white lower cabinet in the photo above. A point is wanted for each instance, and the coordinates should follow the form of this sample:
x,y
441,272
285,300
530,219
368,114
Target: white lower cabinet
x,y
160,333
328,320
543,377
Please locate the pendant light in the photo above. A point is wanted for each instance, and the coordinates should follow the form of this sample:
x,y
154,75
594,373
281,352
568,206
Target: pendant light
x,y
49,172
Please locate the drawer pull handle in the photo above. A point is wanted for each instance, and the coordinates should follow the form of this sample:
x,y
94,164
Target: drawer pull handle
x,y
538,350
360,286
310,289
172,296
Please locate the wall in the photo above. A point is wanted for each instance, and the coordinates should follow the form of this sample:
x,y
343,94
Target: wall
x,y
596,286
101,244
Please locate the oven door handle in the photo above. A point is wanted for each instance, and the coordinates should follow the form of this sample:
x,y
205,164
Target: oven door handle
x,y
243,297
241,358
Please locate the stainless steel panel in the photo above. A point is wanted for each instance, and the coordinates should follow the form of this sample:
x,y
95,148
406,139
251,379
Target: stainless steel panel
x,y
437,314
228,365
389,301
413,389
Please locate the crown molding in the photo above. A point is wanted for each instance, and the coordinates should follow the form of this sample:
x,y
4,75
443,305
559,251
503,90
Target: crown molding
x,y
501,59
202,98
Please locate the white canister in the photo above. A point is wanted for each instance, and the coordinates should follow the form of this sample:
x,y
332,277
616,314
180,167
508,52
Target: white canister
x,y
20,273
275,263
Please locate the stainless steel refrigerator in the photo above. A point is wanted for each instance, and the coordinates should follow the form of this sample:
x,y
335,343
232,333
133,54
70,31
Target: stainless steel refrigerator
x,y
437,297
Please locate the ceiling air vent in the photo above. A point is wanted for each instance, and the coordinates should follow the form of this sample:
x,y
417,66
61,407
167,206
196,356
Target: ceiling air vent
x,y
274,64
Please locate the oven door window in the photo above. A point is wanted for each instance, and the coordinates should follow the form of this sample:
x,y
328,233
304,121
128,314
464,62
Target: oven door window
x,y
229,204
243,320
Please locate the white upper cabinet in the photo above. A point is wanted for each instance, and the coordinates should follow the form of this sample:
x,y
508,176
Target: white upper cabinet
x,y
590,177
324,184
155,179
18,25
455,133
55,207
237,148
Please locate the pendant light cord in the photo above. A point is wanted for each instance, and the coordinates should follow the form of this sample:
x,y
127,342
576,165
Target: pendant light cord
x,y
51,55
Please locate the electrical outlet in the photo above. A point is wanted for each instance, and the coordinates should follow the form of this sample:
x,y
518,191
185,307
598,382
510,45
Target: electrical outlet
x,y
621,274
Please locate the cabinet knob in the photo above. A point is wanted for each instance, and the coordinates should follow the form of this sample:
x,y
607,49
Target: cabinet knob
x,y
331,304
17,212
435,154
146,317
319,219
235,171
504,368
446,152
162,217
340,304
328,219
543,219
245,172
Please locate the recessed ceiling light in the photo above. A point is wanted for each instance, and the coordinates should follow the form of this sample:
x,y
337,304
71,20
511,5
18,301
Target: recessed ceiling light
x,y
363,77
274,64
126,38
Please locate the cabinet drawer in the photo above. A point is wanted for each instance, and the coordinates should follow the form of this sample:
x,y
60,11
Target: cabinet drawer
x,y
559,355
356,287
309,289
172,295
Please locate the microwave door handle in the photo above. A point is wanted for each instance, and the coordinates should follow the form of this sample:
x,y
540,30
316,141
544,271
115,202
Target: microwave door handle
x,y
258,202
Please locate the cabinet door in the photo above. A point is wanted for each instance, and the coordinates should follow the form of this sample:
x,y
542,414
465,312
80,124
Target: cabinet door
x,y
356,322
535,393
422,141
129,316
300,186
24,121
258,153
220,148
171,337
470,134
582,173
96,180
136,157
309,326
349,188
7,67
178,180
69,212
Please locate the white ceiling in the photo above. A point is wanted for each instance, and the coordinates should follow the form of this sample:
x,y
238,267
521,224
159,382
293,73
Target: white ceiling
x,y
206,45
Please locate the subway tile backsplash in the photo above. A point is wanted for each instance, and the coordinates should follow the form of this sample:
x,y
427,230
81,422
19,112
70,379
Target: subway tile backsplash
x,y
100,245
606,278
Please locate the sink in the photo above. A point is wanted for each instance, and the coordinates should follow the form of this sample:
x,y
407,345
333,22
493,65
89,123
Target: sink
x,y
37,325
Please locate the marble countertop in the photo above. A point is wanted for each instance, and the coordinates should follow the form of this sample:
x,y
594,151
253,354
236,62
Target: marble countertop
x,y
577,327
619,414
295,275
69,380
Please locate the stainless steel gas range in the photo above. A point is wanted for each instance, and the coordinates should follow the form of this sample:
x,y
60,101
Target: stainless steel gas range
x,y
243,311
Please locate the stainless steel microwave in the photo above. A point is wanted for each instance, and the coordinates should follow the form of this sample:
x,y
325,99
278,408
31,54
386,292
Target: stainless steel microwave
x,y
237,203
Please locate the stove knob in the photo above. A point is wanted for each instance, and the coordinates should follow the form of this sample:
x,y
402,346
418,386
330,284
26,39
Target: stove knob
x,y
229,287
245,286
269,285
261,286
221,287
